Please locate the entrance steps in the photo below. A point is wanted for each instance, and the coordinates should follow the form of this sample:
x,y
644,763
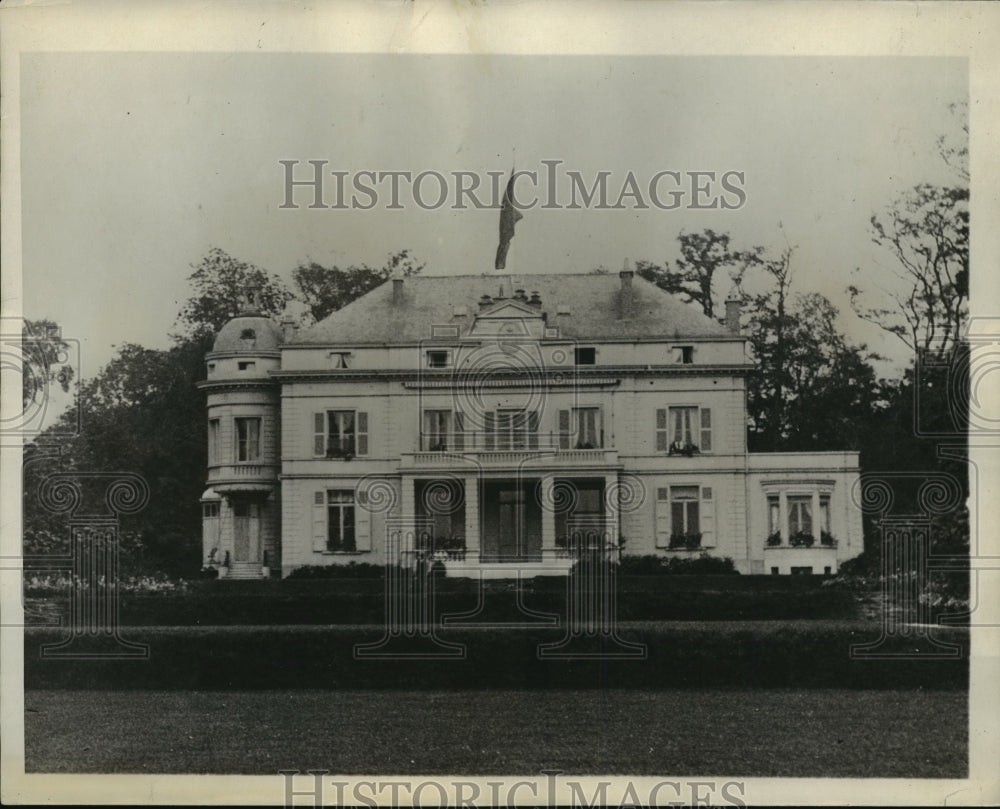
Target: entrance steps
x,y
244,571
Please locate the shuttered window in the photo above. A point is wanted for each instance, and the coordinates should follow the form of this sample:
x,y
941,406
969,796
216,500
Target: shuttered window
x,y
340,434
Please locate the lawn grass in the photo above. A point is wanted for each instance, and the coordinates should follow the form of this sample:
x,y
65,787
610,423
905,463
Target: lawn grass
x,y
762,733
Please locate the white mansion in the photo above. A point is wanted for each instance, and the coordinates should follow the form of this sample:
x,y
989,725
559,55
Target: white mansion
x,y
495,423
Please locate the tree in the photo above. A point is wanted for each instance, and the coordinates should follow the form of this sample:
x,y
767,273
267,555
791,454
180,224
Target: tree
x,y
326,289
45,360
703,256
141,413
811,389
927,289
221,287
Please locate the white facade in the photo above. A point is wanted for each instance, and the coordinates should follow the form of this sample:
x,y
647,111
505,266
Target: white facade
x,y
499,433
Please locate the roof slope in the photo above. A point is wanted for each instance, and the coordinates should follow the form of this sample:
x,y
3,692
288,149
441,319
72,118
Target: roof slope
x,y
594,303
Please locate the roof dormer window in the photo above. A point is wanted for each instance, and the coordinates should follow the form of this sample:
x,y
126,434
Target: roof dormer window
x,y
248,337
684,355
438,358
340,359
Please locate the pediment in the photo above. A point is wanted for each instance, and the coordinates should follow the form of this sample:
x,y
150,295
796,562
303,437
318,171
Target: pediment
x,y
509,309
509,319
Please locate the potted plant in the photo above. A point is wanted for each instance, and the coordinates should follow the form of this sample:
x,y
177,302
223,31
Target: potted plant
x,y
827,539
774,539
801,539
686,449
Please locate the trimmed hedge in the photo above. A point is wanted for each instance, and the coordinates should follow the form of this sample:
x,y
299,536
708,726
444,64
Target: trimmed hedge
x,y
363,601
696,655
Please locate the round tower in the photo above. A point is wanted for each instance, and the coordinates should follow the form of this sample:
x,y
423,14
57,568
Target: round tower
x,y
240,507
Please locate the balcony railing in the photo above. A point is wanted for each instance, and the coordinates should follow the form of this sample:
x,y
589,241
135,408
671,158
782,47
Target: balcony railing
x,y
504,447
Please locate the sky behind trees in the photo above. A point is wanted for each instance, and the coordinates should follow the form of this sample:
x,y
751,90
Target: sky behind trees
x,y
135,164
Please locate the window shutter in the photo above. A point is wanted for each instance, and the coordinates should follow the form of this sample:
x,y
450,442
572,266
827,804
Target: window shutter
x,y
459,432
564,429
706,430
362,433
319,435
362,523
662,531
707,518
319,521
661,430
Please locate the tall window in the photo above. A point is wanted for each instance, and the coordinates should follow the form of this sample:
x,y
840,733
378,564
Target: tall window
x,y
684,510
443,430
213,441
684,429
340,434
511,429
800,517
581,428
340,520
247,439
773,515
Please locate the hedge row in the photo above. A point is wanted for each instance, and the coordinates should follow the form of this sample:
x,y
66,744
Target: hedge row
x,y
698,655
351,603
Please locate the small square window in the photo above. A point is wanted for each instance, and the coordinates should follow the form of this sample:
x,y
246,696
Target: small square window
x,y
827,570
340,359
774,571
684,354
246,366
585,356
438,359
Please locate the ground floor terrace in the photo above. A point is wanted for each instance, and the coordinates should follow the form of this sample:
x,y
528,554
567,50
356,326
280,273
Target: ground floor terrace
x,y
505,527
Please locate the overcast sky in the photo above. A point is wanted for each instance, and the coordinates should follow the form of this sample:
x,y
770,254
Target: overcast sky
x,y
135,164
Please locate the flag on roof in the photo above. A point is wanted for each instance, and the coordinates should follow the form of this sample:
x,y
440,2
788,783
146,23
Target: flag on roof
x,y
509,216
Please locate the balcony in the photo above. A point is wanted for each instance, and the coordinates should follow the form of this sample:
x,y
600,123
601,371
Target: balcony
x,y
243,477
497,450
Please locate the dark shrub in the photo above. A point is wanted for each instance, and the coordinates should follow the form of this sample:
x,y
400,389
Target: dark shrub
x,y
651,565
352,570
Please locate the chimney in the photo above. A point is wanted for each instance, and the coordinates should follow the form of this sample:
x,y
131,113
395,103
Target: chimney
x,y
535,301
289,328
627,307
397,289
520,296
485,301
733,307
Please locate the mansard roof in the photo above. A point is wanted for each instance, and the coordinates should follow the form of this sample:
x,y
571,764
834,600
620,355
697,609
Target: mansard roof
x,y
587,307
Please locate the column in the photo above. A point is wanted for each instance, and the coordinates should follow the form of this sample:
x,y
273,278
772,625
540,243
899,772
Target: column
x,y
612,511
783,517
407,514
472,546
548,519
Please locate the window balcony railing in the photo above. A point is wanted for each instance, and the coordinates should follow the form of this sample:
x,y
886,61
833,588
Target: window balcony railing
x,y
801,539
685,542
506,441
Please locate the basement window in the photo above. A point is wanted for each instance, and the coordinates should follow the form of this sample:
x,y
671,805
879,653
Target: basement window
x,y
585,356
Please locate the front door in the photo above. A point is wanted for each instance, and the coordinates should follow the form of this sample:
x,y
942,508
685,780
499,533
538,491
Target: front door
x,y
511,523
246,532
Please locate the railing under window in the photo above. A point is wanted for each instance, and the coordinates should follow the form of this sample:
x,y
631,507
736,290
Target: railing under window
x,y
505,441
